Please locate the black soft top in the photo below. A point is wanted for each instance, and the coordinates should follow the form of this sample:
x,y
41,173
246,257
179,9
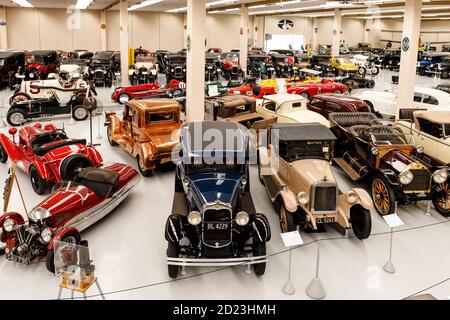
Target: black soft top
x,y
303,132
7,54
42,53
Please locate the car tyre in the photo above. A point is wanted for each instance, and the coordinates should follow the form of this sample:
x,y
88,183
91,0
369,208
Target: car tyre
x,y
382,195
72,238
144,172
287,223
39,185
361,222
371,84
441,198
72,165
259,249
3,154
362,70
16,117
20,96
305,95
110,139
375,71
79,113
173,251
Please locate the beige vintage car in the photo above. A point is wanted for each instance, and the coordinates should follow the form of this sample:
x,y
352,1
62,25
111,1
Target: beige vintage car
x,y
149,131
431,131
296,172
289,108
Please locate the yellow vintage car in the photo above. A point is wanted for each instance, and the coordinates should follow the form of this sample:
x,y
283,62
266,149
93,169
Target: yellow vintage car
x,y
306,76
343,66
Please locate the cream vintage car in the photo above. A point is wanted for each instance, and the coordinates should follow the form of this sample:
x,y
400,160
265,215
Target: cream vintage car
x,y
295,169
288,108
431,131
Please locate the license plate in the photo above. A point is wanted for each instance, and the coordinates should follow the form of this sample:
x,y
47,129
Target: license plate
x,y
325,220
217,226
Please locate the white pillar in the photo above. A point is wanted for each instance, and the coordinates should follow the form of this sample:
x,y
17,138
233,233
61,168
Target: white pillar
x,y
315,31
337,23
243,54
124,41
184,32
408,58
103,27
195,85
3,30
366,33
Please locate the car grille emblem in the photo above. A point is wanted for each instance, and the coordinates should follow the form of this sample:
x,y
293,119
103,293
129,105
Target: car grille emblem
x,y
216,244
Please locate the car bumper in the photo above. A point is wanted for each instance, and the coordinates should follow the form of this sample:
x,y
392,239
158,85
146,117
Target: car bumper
x,y
224,262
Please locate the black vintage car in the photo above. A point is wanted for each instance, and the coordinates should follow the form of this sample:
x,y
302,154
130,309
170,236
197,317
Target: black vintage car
x,y
102,68
211,66
161,56
176,66
23,111
441,68
444,87
260,66
386,158
391,59
356,81
213,220
281,65
10,63
322,63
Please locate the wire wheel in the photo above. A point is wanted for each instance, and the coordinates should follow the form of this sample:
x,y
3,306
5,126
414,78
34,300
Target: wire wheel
x,y
441,201
383,196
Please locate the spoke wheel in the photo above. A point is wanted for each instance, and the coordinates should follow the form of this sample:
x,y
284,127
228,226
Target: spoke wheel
x,y
441,200
383,196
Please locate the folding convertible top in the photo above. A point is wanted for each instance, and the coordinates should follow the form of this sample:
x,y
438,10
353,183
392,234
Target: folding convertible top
x,y
303,132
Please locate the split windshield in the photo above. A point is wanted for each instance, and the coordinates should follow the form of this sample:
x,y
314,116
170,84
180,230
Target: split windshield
x,y
297,150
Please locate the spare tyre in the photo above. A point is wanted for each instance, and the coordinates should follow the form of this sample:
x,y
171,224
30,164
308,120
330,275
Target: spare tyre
x,y
72,165
256,90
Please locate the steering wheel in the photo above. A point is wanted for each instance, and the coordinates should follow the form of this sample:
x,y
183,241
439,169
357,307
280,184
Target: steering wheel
x,y
59,134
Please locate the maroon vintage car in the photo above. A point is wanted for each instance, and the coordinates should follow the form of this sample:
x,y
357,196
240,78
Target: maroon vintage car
x,y
72,207
174,89
47,154
40,63
330,103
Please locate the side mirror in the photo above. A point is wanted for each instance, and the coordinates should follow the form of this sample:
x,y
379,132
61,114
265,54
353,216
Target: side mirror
x,y
12,131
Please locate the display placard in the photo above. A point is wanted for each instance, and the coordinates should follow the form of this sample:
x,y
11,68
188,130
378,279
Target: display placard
x,y
281,86
292,239
213,90
393,220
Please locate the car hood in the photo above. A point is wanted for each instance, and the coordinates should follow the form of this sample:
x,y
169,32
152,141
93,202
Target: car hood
x,y
307,116
348,66
210,187
34,65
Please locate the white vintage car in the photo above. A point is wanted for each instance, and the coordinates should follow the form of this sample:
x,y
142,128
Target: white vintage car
x,y
431,131
144,70
74,67
385,102
64,89
365,65
289,108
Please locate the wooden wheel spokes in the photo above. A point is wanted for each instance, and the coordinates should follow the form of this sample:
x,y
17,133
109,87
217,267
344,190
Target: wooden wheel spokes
x,y
283,220
381,196
443,201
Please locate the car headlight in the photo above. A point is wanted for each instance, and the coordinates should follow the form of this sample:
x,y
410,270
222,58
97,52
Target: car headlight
x,y
38,214
406,177
172,70
440,176
194,218
420,149
242,218
31,75
352,197
302,198
46,235
9,225
375,151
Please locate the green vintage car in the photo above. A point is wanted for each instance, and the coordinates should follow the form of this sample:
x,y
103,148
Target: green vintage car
x,y
260,66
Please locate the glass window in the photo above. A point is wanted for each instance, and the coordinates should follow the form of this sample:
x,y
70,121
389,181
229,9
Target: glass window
x,y
270,106
431,128
418,97
135,118
333,107
430,100
285,41
157,117
316,103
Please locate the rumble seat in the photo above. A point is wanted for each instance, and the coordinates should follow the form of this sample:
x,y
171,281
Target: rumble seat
x,y
100,181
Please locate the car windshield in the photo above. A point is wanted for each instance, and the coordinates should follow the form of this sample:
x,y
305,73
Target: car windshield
x,y
102,55
33,59
297,150
343,60
152,117
387,135
145,59
215,164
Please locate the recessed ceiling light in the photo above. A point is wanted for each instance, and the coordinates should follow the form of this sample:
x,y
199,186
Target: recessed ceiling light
x,y
143,4
23,3
82,4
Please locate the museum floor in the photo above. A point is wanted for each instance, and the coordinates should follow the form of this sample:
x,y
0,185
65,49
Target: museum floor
x,y
128,246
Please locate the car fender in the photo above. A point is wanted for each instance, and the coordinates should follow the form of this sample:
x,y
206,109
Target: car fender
x,y
174,228
289,199
12,150
112,120
95,156
146,151
364,198
390,176
261,227
59,235
42,169
17,217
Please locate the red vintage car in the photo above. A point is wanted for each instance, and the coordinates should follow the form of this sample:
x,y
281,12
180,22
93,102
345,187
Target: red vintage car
x,y
174,89
47,154
72,207
40,63
306,90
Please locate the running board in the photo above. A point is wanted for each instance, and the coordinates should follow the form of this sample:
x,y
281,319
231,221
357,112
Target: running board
x,y
346,167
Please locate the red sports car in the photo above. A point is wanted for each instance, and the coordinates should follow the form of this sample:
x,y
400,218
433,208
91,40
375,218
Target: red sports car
x,y
47,154
72,207
307,90
174,89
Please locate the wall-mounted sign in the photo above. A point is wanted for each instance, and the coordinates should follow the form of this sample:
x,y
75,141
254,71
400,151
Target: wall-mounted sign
x,y
103,26
405,44
316,30
285,24
256,28
2,23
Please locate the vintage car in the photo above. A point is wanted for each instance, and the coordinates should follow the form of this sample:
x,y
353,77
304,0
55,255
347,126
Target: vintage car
x,y
229,66
288,108
83,54
103,68
63,86
75,68
214,50
385,102
391,59
47,154
211,67
356,81
441,69
369,151
281,65
176,66
365,63
443,87
72,207
260,66
22,111
429,59
342,65
144,70
295,169
236,108
39,64
148,131
322,63
213,221
174,89
325,104
161,56
11,62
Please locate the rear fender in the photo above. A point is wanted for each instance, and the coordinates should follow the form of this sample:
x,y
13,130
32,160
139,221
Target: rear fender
x,y
95,156
44,171
289,200
60,234
12,150
113,121
261,227
174,228
145,151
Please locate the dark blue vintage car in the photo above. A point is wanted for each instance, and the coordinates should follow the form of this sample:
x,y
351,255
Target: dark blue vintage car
x,y
213,220
428,60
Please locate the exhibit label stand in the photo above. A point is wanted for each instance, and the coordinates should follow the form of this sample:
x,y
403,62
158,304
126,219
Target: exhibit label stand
x,y
99,133
315,289
290,240
392,220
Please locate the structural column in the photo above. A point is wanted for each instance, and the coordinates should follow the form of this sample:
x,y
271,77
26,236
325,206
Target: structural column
x,y
315,31
103,28
408,59
3,29
337,23
124,41
243,54
195,86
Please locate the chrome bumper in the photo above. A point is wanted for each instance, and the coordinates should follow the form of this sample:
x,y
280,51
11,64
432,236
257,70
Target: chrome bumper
x,y
219,262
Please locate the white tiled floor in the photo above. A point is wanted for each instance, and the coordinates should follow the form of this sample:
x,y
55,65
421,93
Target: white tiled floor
x,y
128,247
